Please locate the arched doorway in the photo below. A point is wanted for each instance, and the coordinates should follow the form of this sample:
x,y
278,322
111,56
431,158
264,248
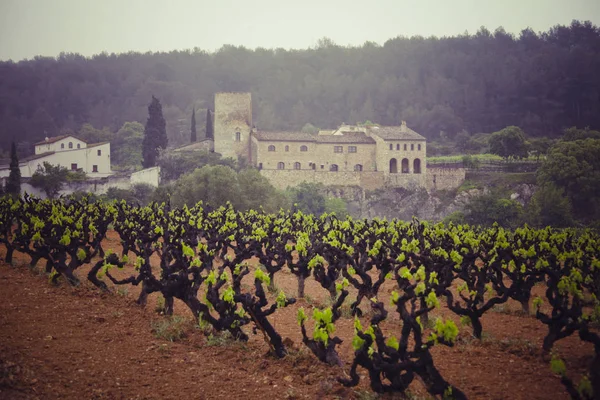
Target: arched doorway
x,y
333,168
393,166
405,166
417,166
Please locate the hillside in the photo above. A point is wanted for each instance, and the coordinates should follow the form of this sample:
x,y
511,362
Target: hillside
x,y
542,82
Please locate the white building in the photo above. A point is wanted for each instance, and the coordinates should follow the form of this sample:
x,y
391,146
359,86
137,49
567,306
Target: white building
x,y
69,152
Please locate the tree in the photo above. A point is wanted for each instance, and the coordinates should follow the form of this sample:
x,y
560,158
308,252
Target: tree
x,y
574,167
509,143
13,184
210,134
155,134
550,207
193,136
308,198
51,178
126,148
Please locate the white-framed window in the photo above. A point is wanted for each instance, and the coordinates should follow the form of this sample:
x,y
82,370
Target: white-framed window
x,y
99,152
94,168
74,167
351,149
338,149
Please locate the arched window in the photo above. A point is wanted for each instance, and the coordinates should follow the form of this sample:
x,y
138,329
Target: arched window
x,y
393,166
391,146
296,165
70,145
62,145
238,136
280,165
358,167
303,148
405,147
419,147
398,146
405,166
287,148
417,166
412,147
78,145
271,148
333,168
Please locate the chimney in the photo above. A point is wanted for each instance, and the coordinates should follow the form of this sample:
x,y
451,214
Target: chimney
x,y
403,127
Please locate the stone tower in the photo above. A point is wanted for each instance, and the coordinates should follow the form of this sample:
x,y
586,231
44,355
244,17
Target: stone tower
x,y
233,124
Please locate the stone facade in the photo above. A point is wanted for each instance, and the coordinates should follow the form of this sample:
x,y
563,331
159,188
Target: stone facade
x,y
233,124
369,157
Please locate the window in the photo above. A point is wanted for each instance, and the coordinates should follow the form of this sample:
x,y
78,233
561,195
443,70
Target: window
x,y
70,145
417,166
419,147
287,148
296,165
280,165
271,148
405,166
338,149
351,149
322,166
333,168
259,165
358,167
99,152
398,146
62,145
312,165
78,146
238,137
74,167
94,168
393,166
412,147
303,148
391,146
404,147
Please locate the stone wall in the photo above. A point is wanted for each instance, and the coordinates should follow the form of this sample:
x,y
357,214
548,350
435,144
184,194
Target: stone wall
x,y
444,178
282,179
233,114
148,176
321,154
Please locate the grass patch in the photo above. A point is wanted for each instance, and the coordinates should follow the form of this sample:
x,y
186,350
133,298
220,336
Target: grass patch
x,y
171,328
220,339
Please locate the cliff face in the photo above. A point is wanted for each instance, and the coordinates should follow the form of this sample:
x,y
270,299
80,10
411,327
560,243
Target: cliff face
x,y
404,204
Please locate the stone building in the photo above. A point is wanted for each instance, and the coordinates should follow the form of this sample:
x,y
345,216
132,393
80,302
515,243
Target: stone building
x,y
367,156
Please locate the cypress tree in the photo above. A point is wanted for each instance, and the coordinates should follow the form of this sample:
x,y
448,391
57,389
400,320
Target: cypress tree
x,y
193,133
209,125
155,134
13,185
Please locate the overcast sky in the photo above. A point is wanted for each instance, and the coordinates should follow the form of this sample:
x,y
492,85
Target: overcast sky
x,y
48,27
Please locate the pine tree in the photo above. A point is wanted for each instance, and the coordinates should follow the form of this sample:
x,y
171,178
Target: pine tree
x,y
194,138
155,134
13,185
209,125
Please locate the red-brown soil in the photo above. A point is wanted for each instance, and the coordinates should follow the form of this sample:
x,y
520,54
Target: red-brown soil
x,y
64,342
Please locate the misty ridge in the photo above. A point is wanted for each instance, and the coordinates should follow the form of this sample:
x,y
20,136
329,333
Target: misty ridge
x,y
542,82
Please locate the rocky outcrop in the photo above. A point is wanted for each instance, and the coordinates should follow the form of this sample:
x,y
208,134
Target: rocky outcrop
x,y
434,206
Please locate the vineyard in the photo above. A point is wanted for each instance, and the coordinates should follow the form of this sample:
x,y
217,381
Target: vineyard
x,y
405,290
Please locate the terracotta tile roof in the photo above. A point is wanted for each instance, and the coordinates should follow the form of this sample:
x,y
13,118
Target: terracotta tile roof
x,y
36,156
56,139
347,137
95,144
395,133
284,136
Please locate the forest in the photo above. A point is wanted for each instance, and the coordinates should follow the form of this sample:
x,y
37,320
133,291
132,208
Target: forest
x,y
472,83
